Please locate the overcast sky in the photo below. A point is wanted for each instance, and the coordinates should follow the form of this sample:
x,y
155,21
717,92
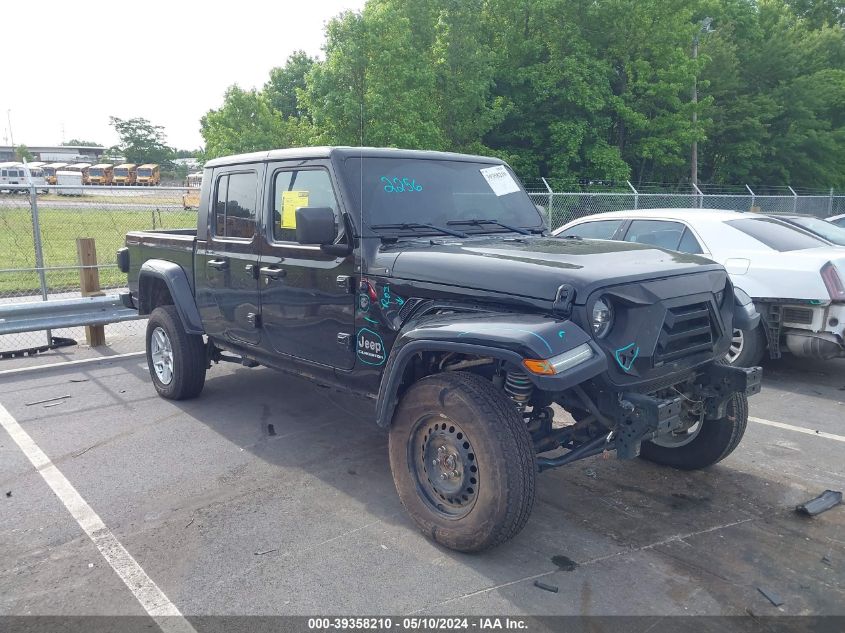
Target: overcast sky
x,y
168,62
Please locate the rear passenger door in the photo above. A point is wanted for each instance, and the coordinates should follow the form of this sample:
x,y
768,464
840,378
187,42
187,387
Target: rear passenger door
x,y
668,234
227,263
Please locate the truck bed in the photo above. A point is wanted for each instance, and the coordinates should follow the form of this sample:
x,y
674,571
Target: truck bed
x,y
173,245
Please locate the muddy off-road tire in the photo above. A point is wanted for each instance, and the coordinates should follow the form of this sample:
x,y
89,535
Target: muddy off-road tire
x,y
176,359
462,461
709,444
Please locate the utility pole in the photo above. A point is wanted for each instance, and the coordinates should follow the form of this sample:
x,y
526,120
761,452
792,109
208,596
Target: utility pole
x,y
705,28
9,119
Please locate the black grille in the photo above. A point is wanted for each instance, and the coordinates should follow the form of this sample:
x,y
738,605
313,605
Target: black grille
x,y
688,329
797,315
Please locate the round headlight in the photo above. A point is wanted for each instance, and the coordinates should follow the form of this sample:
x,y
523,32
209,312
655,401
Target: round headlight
x,y
602,317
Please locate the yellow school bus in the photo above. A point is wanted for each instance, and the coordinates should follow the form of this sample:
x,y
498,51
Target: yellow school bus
x,y
125,174
81,168
149,175
101,174
50,172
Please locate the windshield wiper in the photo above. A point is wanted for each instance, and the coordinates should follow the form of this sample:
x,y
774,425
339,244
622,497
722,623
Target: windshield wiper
x,y
479,222
406,226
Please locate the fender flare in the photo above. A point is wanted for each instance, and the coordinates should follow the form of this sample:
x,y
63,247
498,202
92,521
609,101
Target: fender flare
x,y
431,337
176,280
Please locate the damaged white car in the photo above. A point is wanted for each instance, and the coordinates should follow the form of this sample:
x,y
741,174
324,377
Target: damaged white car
x,y
796,280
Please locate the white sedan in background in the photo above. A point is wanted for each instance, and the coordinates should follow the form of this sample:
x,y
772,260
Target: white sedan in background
x,y
797,280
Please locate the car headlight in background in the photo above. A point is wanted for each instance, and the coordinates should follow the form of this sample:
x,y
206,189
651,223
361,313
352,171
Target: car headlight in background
x,y
602,317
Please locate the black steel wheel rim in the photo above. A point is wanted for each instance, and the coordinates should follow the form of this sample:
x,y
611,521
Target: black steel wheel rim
x,y
444,466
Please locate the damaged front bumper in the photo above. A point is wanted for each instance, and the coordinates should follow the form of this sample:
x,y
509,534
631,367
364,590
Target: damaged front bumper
x,y
637,417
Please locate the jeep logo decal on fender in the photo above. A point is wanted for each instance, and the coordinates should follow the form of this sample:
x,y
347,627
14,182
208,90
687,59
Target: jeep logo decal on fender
x,y
370,347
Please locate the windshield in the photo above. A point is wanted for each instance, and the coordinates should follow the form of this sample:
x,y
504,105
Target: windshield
x,y
427,191
120,172
827,230
776,234
144,172
96,172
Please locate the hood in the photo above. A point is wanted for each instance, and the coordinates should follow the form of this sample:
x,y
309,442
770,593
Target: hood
x,y
537,266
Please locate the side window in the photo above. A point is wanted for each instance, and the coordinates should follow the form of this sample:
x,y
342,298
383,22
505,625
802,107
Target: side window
x,y
661,233
293,189
689,244
600,230
235,205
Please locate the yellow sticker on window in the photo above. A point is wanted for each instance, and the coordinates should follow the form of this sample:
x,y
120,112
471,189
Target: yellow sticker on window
x,y
291,201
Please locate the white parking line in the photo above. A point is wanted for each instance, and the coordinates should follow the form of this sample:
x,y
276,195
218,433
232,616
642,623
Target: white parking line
x,y
152,599
798,429
69,363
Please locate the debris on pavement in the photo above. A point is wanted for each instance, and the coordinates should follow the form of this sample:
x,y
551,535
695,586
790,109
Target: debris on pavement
x,y
771,596
825,501
84,450
8,493
29,404
564,562
190,522
53,404
545,587
271,430
78,380
266,552
590,473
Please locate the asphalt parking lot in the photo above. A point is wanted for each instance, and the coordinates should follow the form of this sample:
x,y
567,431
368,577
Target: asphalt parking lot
x,y
269,495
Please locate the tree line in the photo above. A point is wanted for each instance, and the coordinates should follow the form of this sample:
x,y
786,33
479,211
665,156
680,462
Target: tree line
x,y
569,89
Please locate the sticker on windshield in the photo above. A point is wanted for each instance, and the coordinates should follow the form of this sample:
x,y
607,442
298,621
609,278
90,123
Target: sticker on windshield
x,y
500,180
291,201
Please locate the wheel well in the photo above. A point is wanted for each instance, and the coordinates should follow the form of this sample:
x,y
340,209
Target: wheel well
x,y
434,362
153,292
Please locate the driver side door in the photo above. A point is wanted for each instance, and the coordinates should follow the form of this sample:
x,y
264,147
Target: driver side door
x,y
307,300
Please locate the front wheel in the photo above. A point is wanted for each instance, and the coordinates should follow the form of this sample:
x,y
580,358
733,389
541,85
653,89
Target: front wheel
x,y
176,359
705,443
462,461
748,347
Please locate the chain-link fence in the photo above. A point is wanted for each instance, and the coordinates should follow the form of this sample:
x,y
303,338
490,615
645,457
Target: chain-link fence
x,y
563,207
38,230
38,250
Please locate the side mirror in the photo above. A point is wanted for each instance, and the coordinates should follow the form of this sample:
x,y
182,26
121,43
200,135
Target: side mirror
x,y
315,225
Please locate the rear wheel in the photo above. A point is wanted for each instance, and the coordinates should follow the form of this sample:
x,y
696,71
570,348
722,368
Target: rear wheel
x,y
705,443
176,359
462,461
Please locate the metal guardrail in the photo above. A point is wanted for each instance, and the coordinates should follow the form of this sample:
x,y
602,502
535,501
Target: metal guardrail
x,y
63,313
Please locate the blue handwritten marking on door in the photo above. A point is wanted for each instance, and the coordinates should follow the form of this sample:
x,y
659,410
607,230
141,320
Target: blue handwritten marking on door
x,y
400,185
399,300
625,356
561,334
371,320
385,297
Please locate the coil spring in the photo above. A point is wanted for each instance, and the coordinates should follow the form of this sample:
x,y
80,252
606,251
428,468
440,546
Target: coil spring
x,y
519,387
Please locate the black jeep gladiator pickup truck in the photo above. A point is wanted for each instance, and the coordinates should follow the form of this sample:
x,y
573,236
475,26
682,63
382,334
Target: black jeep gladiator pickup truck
x,y
426,282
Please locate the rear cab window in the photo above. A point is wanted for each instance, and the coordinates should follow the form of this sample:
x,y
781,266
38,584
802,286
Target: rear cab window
x,y
235,203
775,234
598,230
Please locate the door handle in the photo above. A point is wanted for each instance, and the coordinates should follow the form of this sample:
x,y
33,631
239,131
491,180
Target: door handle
x,y
219,264
274,273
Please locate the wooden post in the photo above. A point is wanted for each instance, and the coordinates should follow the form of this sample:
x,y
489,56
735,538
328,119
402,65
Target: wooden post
x,y
89,281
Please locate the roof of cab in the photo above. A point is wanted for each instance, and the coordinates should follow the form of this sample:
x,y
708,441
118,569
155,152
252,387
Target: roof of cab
x,y
306,153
